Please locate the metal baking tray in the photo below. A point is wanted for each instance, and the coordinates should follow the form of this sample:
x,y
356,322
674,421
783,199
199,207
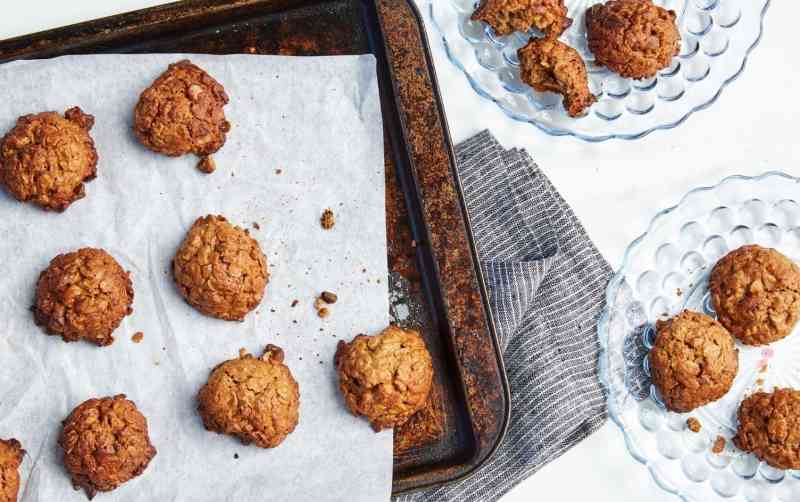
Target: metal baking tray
x,y
434,283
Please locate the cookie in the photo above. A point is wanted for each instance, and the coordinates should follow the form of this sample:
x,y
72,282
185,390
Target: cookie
x,y
105,443
507,16
46,158
182,112
254,399
693,362
220,270
634,38
552,66
83,295
769,427
756,294
385,378
11,453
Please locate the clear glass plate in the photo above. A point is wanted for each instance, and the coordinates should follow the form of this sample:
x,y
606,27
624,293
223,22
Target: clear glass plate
x,y
665,271
717,36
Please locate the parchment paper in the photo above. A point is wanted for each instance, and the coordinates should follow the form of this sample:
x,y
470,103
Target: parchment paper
x,y
315,119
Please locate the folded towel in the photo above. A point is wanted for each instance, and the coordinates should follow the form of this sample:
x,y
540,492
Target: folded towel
x,y
546,285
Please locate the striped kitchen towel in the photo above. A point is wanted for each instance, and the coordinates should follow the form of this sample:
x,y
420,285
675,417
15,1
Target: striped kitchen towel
x,y
546,285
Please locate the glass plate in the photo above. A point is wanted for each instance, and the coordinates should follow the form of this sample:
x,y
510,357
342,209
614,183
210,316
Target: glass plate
x,y
717,36
665,271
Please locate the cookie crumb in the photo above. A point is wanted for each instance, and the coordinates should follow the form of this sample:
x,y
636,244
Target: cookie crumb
x,y
328,220
256,225
294,303
323,312
760,382
329,297
719,445
137,337
236,456
207,165
693,424
278,171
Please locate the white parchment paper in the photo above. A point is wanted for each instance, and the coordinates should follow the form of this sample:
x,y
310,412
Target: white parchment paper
x,y
318,121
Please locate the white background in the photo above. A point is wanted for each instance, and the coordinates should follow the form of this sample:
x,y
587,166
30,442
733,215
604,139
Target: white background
x,y
614,187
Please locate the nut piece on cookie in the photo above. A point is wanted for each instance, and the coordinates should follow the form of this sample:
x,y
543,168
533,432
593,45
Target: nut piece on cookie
x,y
385,378
254,399
693,362
105,443
83,295
220,270
552,66
634,38
11,453
507,16
756,294
769,427
182,112
47,158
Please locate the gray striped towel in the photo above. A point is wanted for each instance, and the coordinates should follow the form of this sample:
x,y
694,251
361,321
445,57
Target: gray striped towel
x,y
546,283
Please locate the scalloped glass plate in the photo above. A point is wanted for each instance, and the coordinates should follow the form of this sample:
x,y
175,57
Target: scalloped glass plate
x,y
717,36
665,271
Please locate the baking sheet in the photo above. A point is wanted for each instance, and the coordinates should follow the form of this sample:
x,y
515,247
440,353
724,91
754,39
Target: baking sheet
x,y
306,135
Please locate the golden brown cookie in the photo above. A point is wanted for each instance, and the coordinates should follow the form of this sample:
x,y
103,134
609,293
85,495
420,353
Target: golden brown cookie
x,y
220,270
769,427
11,453
756,294
634,38
256,400
83,295
507,16
552,66
47,158
182,112
693,362
385,378
105,443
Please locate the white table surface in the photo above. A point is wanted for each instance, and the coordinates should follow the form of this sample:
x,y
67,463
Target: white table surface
x,y
614,187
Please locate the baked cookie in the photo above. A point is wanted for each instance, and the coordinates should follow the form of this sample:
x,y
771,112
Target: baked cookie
x,y
769,427
507,16
11,453
47,158
552,66
385,378
220,270
256,400
83,295
756,294
105,443
634,38
693,362
182,112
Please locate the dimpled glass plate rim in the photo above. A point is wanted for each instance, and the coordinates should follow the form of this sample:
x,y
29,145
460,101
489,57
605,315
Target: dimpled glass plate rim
x,y
717,38
768,202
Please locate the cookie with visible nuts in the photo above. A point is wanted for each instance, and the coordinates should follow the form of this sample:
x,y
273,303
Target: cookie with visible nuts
x,y
11,454
387,377
47,158
220,269
83,295
552,66
254,399
694,361
756,294
182,112
633,38
106,443
769,427
507,16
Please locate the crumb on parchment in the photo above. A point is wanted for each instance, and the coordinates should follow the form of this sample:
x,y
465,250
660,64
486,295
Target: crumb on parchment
x,y
693,424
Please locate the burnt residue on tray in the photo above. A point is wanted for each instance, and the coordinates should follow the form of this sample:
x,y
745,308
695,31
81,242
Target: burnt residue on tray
x,y
434,284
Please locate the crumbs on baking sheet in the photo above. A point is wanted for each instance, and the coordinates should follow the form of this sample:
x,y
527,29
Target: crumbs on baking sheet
x,y
719,445
327,220
693,424
137,337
